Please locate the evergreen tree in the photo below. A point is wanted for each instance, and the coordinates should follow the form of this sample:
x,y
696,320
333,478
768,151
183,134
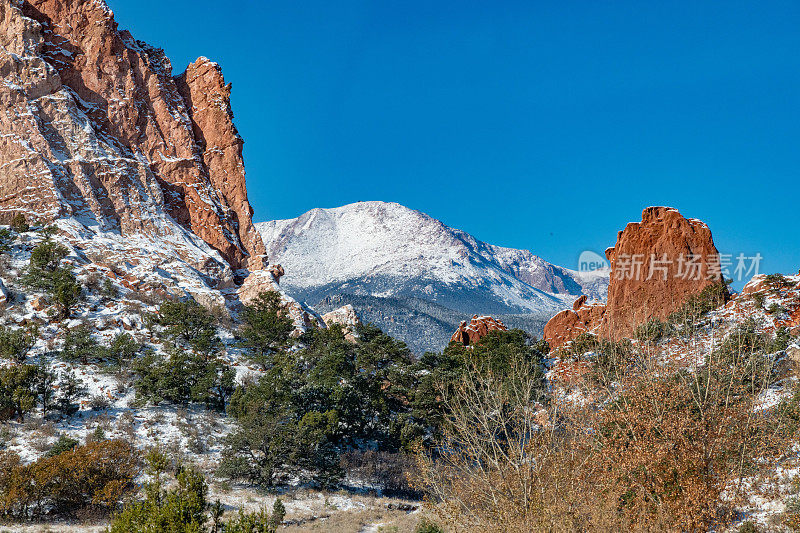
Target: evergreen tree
x,y
70,390
265,329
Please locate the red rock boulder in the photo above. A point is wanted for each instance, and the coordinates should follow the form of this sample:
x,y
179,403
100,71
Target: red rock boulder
x,y
477,328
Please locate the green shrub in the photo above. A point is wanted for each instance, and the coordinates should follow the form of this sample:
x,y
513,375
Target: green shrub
x,y
183,378
45,273
123,348
748,527
80,345
697,305
188,323
16,343
19,224
265,329
108,291
17,391
66,292
775,309
426,525
63,444
45,261
184,508
6,240
778,282
70,391
758,298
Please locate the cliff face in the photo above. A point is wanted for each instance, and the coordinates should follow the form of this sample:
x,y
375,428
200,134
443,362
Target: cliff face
x,y
95,127
656,265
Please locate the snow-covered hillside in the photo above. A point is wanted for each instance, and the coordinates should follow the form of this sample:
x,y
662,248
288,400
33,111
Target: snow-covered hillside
x,y
385,250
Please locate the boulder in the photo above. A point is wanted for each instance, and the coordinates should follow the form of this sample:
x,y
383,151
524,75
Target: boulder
x,y
345,316
477,328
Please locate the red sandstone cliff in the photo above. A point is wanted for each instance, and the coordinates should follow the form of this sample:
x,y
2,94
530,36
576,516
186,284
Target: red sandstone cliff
x,y
96,127
656,265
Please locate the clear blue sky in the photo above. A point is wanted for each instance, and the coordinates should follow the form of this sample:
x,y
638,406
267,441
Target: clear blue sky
x,y
539,125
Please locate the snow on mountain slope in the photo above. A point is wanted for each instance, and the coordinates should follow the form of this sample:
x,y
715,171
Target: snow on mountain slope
x,y
385,250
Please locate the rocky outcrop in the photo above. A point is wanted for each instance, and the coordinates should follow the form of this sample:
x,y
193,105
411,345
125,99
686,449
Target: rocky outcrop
x,y
264,280
477,328
95,127
656,265
568,324
678,259
277,272
346,317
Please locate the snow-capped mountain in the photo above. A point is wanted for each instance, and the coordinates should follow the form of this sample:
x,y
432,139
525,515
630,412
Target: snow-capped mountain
x,y
369,251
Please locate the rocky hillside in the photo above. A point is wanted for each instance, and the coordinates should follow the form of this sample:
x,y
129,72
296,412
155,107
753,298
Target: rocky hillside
x,y
97,127
380,255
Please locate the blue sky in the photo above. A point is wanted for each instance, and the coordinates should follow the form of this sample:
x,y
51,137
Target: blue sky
x,y
539,125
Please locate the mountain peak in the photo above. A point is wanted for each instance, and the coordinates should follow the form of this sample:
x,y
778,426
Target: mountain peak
x,y
387,250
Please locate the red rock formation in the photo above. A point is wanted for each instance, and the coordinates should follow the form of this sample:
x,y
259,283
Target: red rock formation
x,y
96,127
277,272
568,324
679,260
656,265
478,327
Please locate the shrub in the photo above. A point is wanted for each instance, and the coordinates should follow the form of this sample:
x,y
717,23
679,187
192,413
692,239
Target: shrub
x,y
45,261
16,343
699,304
778,282
748,527
48,231
19,224
123,348
108,291
183,378
95,476
426,525
80,345
390,471
17,391
45,273
70,390
66,292
6,240
663,448
63,444
183,508
758,298
188,323
652,331
775,309
99,402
